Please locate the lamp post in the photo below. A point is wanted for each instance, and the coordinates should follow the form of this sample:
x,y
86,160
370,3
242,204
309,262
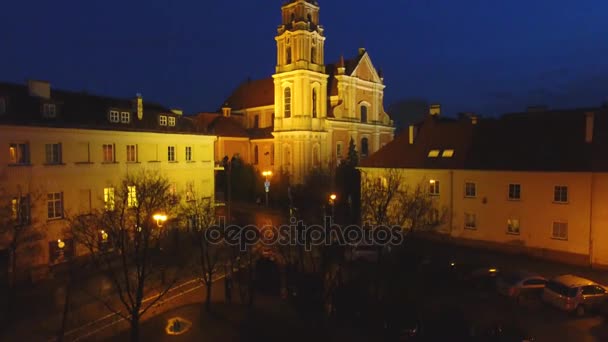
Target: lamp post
x,y
266,175
160,220
332,201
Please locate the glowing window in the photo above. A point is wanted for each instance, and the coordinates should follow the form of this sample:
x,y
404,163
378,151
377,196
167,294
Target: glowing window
x,y
513,226
447,153
131,196
287,99
108,198
433,153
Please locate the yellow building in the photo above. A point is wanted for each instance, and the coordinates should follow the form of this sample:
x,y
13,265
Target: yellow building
x,y
534,182
304,116
62,151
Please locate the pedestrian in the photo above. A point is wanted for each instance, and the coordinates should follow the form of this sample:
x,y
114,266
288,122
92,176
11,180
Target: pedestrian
x,y
228,288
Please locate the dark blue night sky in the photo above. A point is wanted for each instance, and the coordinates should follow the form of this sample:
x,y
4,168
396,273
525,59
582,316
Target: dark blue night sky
x,y
486,56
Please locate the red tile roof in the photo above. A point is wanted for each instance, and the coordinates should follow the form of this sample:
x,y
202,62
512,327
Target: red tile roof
x,y
220,125
252,93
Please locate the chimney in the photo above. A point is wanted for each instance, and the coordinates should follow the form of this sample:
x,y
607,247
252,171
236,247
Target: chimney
x,y
412,134
589,118
177,111
361,51
39,89
435,110
226,110
139,104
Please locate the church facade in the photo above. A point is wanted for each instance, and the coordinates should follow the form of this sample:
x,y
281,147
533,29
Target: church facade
x,y
304,116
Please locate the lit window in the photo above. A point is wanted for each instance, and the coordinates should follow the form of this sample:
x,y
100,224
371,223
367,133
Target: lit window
x,y
560,230
188,153
513,226
433,153
125,117
20,210
18,153
162,120
287,104
447,153
108,198
131,196
53,153
434,187
514,192
560,194
54,205
171,120
470,221
108,153
49,110
131,153
470,189
114,116
171,153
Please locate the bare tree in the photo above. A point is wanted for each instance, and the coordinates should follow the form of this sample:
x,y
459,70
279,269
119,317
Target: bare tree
x,y
199,216
124,242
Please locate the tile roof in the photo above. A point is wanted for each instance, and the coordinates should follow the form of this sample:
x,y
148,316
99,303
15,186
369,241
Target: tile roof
x,y
84,110
220,125
261,133
543,141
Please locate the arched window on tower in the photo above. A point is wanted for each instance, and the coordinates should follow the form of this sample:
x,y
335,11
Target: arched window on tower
x,y
255,155
289,55
363,113
364,148
287,105
313,55
314,102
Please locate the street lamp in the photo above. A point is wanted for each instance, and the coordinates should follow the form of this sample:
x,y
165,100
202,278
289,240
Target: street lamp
x,y
266,174
332,200
160,219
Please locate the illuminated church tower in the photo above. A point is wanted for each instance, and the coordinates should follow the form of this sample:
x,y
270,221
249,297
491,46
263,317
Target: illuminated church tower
x,y
300,91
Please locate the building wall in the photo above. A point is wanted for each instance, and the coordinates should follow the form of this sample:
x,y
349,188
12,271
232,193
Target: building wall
x,y
585,212
227,146
82,174
265,160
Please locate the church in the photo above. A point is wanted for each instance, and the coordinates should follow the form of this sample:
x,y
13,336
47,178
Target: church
x,y
304,116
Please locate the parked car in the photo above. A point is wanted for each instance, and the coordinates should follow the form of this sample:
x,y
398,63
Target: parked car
x,y
574,294
521,285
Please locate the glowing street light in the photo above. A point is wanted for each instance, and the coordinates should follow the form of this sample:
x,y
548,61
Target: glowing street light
x,y
266,175
160,219
332,201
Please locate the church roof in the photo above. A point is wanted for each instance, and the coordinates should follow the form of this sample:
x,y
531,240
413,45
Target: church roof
x,y
217,124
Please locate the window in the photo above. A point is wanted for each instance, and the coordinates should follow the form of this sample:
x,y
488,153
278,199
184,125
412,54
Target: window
x,y
2,105
54,202
560,194
108,198
514,192
288,54
131,196
433,154
287,99
447,153
314,103
53,153
255,154
470,221
513,226
363,113
114,116
171,121
19,153
173,193
364,148
132,153
61,250
434,187
560,230
256,121
188,153
49,110
470,189
108,153
339,151
125,117
171,153
20,210
162,120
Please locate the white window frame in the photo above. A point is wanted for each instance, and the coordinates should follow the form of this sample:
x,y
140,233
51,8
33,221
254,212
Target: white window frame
x,y
112,149
19,153
171,121
560,194
54,205
171,153
132,156
434,189
188,153
467,188
52,153
162,120
512,227
125,117
468,223
114,116
514,185
109,199
561,226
